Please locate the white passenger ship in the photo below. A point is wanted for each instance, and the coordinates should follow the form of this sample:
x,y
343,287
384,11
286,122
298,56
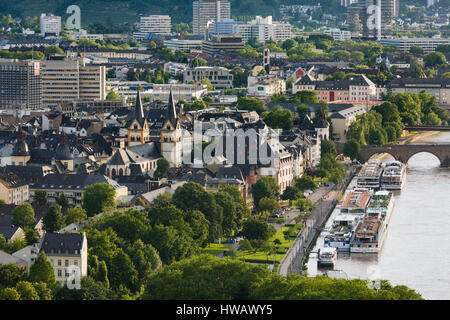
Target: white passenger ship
x,y
394,176
370,175
372,229
327,257
340,233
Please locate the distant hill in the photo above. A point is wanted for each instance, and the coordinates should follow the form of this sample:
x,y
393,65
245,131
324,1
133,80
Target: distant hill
x,y
119,11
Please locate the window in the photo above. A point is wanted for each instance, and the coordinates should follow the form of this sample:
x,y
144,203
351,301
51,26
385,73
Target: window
x,y
59,262
66,263
59,273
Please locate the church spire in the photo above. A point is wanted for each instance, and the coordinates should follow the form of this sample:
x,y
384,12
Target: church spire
x,y
171,110
138,108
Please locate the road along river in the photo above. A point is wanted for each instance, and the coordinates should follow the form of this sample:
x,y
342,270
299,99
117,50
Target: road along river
x,y
416,251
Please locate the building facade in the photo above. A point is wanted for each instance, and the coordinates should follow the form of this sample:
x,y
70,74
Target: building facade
x,y
220,78
20,84
50,25
207,10
264,29
157,24
65,81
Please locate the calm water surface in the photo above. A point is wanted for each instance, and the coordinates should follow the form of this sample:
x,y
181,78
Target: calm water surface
x,y
416,251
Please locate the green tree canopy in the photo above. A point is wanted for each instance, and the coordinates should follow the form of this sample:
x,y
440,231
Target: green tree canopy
x,y
266,187
23,216
53,220
98,197
42,271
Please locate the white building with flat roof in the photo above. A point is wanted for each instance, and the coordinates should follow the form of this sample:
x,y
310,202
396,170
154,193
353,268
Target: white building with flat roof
x,y
338,34
183,45
157,24
50,25
264,29
404,44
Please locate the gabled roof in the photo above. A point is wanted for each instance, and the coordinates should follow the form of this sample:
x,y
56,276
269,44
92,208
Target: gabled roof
x,y
120,157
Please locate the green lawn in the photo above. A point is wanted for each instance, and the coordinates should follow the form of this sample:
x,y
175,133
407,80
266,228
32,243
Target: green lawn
x,y
215,249
263,257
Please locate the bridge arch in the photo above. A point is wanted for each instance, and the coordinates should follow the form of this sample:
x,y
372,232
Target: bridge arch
x,y
404,152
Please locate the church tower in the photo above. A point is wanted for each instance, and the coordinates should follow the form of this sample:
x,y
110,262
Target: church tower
x,y
138,130
171,135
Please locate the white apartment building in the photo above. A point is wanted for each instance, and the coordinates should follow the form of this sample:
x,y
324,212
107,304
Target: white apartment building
x,y
220,78
50,25
65,81
338,34
183,45
157,24
207,10
265,87
404,44
264,29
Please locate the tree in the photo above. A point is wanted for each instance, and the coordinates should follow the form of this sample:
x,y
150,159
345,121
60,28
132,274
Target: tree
x,y
63,201
257,230
42,271
40,197
279,118
352,149
75,214
90,290
192,196
112,96
53,220
123,272
291,193
23,216
416,50
198,62
26,291
145,258
10,274
266,187
446,75
31,236
98,197
268,205
204,277
307,96
302,111
42,290
434,59
162,166
49,50
251,104
208,84
327,147
304,183
9,294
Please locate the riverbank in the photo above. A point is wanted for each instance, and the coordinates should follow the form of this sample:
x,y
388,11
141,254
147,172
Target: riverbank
x,y
417,137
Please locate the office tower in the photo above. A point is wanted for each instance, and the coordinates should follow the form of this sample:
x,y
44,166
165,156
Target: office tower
x,y
50,25
157,24
65,81
20,84
373,18
207,10
396,8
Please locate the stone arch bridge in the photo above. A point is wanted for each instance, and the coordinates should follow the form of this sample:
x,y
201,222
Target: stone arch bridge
x,y
404,152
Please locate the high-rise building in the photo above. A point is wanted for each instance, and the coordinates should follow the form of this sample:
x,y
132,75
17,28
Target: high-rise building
x,y
50,25
20,84
157,24
207,10
66,81
371,18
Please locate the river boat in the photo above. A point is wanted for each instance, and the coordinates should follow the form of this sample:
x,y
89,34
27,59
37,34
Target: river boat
x,y
394,176
340,233
327,257
370,175
372,229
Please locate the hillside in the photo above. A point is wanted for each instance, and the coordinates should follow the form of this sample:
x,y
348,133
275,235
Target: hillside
x,y
115,11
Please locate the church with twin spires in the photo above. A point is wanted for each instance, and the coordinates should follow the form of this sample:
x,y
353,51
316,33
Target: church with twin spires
x,y
170,145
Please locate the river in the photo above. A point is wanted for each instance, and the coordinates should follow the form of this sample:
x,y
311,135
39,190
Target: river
x,y
416,251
